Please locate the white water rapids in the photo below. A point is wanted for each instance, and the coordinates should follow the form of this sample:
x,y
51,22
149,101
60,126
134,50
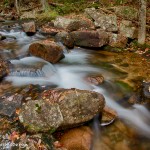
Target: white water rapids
x,y
73,76
71,73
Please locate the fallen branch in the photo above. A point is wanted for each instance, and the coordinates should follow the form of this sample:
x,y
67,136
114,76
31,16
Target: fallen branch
x,y
55,4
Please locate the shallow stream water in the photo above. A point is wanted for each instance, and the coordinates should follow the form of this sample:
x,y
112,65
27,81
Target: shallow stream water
x,y
71,72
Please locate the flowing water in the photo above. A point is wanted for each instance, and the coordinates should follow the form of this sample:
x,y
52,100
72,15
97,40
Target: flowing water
x,y
71,72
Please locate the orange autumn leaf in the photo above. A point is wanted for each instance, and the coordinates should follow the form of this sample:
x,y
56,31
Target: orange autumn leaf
x,y
18,111
14,136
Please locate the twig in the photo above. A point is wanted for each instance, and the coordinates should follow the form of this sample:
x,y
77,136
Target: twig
x,y
55,4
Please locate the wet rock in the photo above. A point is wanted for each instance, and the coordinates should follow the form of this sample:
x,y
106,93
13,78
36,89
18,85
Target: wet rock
x,y
49,31
2,37
65,38
117,40
96,79
2,19
108,116
4,68
71,24
105,22
7,54
134,99
146,90
77,139
60,108
29,28
90,38
9,104
48,50
127,29
27,70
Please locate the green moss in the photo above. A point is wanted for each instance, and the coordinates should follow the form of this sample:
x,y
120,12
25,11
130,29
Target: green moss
x,y
52,130
37,108
113,49
70,6
48,141
124,86
134,44
47,15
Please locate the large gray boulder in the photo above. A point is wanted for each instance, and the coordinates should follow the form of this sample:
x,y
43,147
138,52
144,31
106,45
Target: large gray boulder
x,y
9,104
117,40
71,24
60,108
127,29
103,21
48,50
90,38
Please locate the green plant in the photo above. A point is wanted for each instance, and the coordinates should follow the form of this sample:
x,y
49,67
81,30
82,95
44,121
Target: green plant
x,y
6,3
69,6
47,15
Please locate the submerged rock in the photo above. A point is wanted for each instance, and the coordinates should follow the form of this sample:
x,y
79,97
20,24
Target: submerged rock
x,y
48,50
77,139
95,79
22,70
108,116
60,108
90,38
29,28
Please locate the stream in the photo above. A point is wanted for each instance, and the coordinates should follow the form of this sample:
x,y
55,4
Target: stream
x,y
71,72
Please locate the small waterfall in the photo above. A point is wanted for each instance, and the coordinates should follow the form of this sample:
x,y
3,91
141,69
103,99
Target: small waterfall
x,y
30,70
97,134
27,72
137,117
76,57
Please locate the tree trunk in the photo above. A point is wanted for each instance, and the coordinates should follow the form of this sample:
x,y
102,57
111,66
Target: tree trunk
x,y
17,6
142,22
